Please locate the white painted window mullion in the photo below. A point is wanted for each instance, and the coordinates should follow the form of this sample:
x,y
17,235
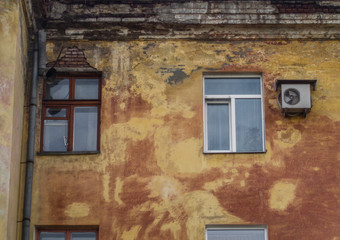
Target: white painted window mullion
x,y
205,126
233,125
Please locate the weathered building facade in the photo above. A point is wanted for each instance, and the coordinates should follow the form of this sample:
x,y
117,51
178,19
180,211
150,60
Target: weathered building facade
x,y
124,146
13,68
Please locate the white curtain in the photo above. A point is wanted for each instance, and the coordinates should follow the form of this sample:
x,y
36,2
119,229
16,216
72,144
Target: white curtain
x,y
248,125
55,135
85,129
218,126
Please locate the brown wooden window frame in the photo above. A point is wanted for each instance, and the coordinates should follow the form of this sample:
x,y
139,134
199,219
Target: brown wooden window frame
x,y
70,104
67,231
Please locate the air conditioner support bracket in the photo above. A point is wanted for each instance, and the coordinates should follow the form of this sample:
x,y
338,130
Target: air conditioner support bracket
x,y
292,114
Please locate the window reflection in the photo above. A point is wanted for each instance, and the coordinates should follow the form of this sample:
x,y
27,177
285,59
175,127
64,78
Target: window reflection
x,y
52,236
248,125
83,236
86,89
232,86
58,89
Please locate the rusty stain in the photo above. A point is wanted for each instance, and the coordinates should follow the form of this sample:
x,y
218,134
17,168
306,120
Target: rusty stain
x,y
122,110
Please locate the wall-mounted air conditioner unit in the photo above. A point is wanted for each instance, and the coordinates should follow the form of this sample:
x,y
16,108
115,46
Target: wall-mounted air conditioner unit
x,y
295,96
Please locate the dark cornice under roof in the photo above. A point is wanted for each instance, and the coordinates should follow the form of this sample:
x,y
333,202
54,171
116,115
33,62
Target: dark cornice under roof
x,y
199,20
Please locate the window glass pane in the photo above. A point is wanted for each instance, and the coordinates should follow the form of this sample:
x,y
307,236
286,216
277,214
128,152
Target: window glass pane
x,y
86,89
85,129
218,126
232,86
248,125
236,234
58,89
55,135
52,236
83,236
55,112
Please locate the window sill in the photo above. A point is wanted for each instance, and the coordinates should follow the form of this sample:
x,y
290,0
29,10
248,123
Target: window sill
x,y
68,153
235,152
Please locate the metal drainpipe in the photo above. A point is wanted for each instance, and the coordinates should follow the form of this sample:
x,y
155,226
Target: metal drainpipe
x,y
30,146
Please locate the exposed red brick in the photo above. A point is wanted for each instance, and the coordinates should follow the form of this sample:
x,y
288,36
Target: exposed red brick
x,y
73,57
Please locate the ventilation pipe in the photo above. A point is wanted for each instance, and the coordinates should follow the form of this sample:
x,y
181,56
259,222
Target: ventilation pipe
x,y
30,145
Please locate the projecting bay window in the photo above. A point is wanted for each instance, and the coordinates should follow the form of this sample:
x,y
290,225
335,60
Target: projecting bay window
x,y
233,114
71,114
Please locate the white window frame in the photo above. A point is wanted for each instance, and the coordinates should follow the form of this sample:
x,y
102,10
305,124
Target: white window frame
x,y
232,110
237,227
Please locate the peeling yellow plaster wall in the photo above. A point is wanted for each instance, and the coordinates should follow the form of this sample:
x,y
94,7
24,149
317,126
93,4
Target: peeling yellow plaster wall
x,y
152,120
13,56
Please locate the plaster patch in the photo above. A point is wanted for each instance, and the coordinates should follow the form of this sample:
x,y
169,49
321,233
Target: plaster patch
x,y
159,111
174,227
165,187
181,157
122,106
273,103
288,137
179,107
162,139
106,183
137,128
188,114
330,106
282,194
118,190
278,122
77,210
185,156
203,208
216,184
131,234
